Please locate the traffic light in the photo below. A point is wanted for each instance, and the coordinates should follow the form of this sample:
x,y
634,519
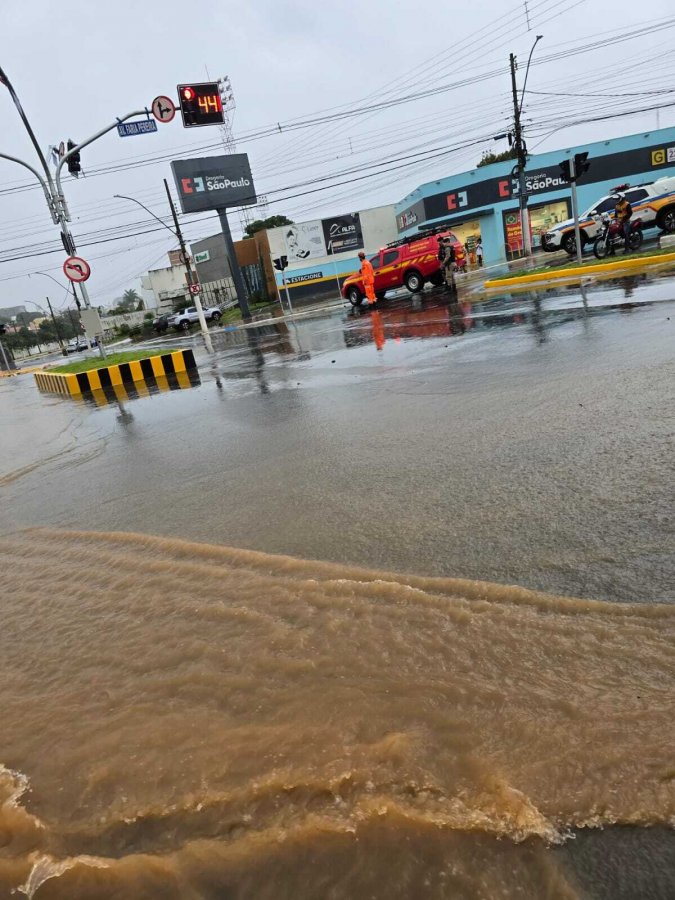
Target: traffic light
x,y
280,263
200,104
581,163
565,169
74,166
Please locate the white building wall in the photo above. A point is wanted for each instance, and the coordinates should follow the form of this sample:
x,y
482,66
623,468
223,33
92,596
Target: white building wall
x,y
165,285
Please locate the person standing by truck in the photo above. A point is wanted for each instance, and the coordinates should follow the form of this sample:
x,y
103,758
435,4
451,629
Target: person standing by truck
x,y
368,275
446,257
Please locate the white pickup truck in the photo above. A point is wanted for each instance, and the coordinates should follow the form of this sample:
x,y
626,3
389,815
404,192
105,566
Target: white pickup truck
x,y
182,320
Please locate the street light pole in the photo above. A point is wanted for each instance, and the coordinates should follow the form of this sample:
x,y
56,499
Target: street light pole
x,y
521,149
178,234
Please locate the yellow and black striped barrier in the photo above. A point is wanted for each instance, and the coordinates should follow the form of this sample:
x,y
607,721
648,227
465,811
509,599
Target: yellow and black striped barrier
x,y
173,368
121,393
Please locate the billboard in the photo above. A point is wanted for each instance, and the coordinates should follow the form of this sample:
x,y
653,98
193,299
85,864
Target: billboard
x,y
214,182
342,234
304,240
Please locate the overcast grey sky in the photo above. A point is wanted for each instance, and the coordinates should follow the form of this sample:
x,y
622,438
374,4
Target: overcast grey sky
x,y
77,65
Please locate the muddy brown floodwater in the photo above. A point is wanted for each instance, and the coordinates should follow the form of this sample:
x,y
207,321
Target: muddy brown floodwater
x,y
188,721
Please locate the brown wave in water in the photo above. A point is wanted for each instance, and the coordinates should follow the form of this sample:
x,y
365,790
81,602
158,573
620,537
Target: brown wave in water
x,y
182,720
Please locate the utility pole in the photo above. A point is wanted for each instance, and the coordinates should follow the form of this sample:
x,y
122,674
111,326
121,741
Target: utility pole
x,y
56,328
522,162
191,277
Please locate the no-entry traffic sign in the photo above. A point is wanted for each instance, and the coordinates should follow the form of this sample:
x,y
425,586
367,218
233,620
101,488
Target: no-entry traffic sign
x,y
76,269
163,108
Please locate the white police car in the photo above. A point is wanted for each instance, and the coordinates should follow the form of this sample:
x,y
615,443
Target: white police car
x,y
654,203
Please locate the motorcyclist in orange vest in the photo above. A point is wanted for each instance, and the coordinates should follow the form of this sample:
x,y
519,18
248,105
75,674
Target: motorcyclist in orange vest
x,y
368,275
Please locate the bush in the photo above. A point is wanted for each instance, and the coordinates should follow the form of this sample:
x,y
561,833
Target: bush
x,y
123,329
135,331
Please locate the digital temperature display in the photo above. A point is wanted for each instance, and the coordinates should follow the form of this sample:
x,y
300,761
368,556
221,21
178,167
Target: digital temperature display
x,y
200,104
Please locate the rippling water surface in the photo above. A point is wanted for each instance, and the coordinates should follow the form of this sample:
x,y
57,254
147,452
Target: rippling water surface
x,y
189,721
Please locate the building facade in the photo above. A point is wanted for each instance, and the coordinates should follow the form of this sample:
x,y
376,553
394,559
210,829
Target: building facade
x,y
322,252
164,287
483,203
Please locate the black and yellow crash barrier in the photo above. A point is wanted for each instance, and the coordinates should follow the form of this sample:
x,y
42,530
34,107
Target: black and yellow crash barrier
x,y
120,393
136,372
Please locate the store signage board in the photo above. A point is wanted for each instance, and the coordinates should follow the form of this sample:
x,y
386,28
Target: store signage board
x,y
214,182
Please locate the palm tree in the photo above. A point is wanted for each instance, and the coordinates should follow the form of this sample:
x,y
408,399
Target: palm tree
x,y
130,298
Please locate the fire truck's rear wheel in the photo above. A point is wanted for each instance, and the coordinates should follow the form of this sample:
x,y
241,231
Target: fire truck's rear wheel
x,y
414,281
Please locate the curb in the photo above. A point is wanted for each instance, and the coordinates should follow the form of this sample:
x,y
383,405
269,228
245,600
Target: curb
x,y
577,272
138,371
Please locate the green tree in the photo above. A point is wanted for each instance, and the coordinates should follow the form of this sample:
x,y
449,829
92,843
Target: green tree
x,y
488,158
47,332
262,224
23,339
128,302
130,297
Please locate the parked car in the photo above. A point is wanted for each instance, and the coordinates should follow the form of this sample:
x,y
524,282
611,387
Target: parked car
x,y
77,345
653,202
182,320
408,263
160,323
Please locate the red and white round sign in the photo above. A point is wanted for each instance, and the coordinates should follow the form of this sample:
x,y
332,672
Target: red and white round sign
x,y
76,269
163,108
195,288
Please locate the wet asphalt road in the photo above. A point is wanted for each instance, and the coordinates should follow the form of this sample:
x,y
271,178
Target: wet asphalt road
x,y
526,440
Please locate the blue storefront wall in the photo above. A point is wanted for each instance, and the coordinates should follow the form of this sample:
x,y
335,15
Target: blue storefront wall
x,y
485,194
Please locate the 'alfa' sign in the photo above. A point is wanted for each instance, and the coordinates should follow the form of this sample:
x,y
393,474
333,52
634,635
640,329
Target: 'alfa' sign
x,y
214,182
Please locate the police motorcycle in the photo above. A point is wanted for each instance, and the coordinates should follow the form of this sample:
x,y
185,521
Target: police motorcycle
x,y
611,236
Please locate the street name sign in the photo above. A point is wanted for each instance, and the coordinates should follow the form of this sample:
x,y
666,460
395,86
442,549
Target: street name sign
x,y
145,126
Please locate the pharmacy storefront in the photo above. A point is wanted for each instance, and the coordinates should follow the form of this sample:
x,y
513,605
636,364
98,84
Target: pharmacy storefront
x,y
543,216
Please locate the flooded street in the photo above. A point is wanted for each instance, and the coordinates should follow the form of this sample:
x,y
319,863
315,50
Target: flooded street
x,y
214,683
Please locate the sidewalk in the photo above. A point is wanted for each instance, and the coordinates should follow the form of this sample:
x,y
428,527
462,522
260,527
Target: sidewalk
x,y
578,273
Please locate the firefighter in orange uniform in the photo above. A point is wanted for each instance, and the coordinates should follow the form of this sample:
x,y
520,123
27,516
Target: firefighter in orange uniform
x,y
368,276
